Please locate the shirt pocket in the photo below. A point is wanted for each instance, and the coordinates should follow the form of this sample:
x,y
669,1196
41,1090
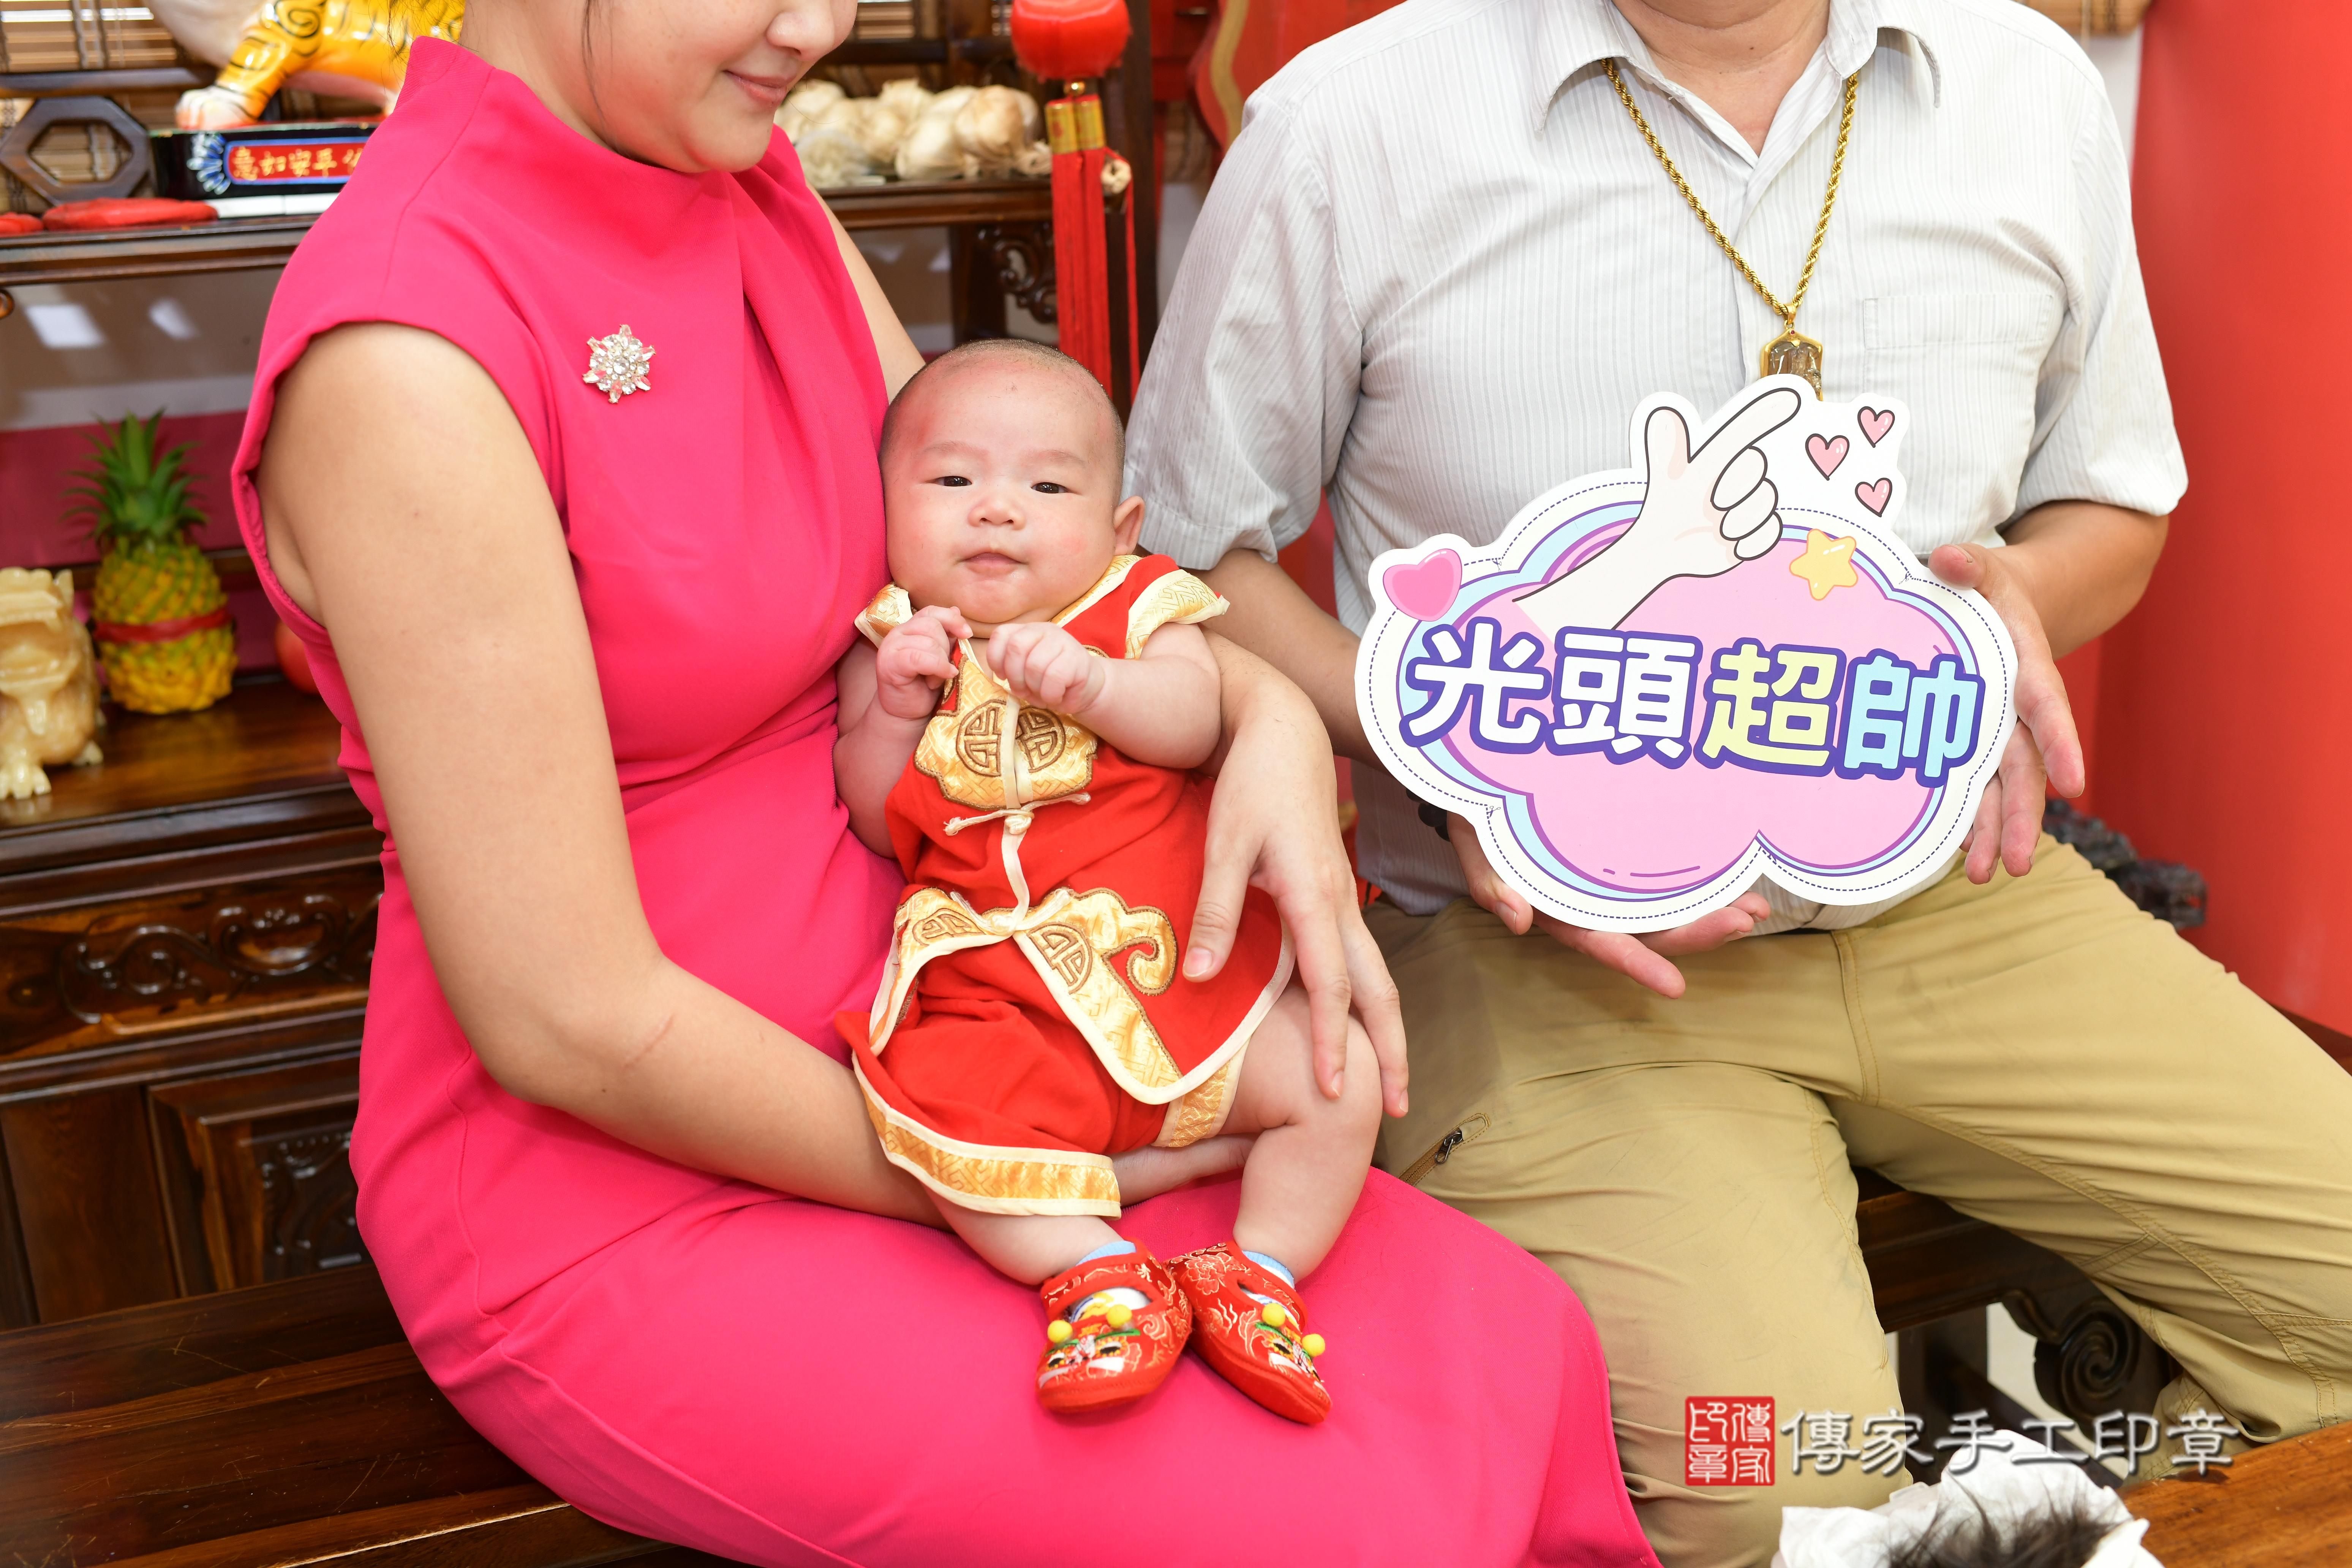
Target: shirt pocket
x,y
1969,366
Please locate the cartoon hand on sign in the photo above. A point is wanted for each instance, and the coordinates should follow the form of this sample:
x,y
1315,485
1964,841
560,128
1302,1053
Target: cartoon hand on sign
x,y
1703,514
1664,683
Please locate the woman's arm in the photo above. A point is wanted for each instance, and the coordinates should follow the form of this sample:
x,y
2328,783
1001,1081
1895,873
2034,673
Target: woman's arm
x,y
900,358
1272,618
1278,830
431,552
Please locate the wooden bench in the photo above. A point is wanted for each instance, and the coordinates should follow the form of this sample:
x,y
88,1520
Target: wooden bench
x,y
2286,1506
261,1429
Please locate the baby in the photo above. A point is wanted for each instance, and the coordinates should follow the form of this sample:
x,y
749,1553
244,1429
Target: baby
x,y
1018,736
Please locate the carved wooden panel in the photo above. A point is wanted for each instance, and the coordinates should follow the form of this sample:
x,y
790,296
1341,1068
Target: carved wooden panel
x,y
1021,256
76,978
256,1168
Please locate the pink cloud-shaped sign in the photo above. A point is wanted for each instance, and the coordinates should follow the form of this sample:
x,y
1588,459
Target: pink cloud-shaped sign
x,y
1662,683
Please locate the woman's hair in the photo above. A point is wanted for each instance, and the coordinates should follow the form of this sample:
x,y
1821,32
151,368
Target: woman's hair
x,y
2060,1536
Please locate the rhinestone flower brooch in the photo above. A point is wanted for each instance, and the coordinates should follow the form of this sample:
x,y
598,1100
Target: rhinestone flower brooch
x,y
618,364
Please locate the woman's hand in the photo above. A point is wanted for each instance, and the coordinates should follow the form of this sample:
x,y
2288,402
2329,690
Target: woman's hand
x,y
2044,750
1644,959
1278,829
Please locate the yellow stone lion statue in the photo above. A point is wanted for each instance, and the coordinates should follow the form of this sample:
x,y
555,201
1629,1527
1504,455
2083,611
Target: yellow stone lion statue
x,y
48,686
345,49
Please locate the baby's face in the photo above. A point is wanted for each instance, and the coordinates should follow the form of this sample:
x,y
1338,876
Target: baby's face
x,y
1002,493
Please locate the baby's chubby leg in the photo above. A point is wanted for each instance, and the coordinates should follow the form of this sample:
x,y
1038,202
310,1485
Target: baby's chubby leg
x,y
1030,1248
1303,1175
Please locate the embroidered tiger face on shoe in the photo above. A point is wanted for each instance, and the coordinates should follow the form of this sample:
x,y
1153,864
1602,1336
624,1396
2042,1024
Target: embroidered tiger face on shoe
x,y
1248,1324
1114,1328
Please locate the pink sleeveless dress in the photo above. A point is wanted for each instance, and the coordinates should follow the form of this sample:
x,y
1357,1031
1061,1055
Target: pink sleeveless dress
x,y
708,1362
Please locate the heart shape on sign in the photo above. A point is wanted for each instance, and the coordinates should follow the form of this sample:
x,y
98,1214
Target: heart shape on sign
x,y
1827,452
1424,589
1876,423
1875,495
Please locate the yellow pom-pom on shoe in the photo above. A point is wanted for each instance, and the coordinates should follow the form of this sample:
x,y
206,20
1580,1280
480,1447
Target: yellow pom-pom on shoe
x,y
1272,1315
1312,1344
1117,1313
1057,1332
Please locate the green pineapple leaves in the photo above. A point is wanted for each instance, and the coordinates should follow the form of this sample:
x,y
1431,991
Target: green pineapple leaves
x,y
134,494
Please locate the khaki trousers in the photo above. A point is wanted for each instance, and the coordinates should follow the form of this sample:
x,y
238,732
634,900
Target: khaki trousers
x,y
2035,1052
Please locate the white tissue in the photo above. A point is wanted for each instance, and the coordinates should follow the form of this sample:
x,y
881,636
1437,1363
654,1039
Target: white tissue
x,y
2004,1490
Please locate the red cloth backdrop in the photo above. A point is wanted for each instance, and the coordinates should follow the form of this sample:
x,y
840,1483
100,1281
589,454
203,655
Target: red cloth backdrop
x,y
1252,39
2224,702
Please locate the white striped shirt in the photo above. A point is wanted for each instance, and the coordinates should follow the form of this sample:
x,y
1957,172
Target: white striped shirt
x,y
1440,268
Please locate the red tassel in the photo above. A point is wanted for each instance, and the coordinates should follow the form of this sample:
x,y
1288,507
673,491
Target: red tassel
x,y
1081,259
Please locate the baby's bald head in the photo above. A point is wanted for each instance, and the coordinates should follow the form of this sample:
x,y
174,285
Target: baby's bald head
x,y
963,370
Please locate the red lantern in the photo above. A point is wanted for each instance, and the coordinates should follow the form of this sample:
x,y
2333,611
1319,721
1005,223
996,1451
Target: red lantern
x,y
1069,41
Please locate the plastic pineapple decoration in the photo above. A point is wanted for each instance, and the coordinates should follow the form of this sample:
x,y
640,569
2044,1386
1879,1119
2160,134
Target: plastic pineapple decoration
x,y
164,637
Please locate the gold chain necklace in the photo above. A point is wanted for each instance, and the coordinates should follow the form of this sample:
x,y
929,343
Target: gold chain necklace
x,y
1792,352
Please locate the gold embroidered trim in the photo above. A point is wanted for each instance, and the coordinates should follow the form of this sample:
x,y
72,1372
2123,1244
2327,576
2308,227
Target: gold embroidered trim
x,y
1202,1113
1074,942
888,610
1178,597
964,748
992,1180
1113,575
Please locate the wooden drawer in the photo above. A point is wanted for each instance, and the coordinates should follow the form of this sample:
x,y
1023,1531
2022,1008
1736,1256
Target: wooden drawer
x,y
257,1173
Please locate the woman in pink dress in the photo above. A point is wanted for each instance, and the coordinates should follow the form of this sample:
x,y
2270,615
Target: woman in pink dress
x,y
561,463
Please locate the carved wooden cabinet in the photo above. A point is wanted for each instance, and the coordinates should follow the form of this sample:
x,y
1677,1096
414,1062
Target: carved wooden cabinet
x,y
184,938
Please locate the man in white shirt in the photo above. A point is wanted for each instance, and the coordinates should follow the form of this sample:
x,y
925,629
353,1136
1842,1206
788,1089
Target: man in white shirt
x,y
1438,270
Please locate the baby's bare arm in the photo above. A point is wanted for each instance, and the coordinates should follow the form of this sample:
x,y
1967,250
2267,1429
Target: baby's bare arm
x,y
1162,707
873,750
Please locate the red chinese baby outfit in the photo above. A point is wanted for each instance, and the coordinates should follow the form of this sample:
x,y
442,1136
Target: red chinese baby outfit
x,y
1033,1020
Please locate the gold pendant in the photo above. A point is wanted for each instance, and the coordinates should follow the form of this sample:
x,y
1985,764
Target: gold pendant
x,y
1793,354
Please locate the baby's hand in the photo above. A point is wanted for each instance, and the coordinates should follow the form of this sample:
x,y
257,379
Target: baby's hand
x,y
1045,667
915,659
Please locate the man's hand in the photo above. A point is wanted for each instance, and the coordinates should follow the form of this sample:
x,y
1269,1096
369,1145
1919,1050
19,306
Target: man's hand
x,y
1644,959
915,659
1704,513
1045,667
2044,749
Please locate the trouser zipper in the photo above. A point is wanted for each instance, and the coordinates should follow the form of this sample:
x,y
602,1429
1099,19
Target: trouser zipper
x,y
1470,1131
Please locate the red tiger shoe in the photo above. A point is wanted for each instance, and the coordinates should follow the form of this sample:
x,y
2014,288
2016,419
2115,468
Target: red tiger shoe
x,y
1252,1331
1114,1330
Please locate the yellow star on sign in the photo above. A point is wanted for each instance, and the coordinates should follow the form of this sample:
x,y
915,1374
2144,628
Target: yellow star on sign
x,y
1826,563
